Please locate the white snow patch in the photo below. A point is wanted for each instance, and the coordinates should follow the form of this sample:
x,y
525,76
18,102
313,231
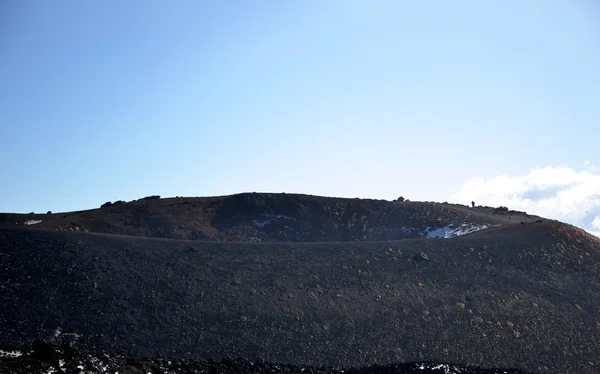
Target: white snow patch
x,y
450,231
97,363
10,354
448,369
32,222
270,218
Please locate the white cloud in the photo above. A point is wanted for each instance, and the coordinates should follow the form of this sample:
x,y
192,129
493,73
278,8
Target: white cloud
x,y
560,193
595,225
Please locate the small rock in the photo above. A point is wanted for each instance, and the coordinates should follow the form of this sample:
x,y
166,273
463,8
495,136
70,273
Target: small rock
x,y
422,257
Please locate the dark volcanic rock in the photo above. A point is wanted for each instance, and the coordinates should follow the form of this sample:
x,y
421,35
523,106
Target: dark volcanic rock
x,y
422,257
43,351
522,296
73,361
267,217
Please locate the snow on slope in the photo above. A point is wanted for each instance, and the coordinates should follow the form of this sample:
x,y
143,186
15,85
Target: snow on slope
x,y
10,354
446,232
32,222
270,218
450,231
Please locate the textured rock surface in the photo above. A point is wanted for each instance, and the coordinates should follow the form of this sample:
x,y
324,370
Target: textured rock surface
x,y
259,217
67,360
522,296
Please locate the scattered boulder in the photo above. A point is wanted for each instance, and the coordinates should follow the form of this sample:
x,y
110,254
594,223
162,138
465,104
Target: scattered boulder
x,y
106,204
422,257
49,212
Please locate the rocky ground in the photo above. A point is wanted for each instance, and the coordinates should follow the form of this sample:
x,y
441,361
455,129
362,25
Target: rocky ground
x,y
43,358
521,296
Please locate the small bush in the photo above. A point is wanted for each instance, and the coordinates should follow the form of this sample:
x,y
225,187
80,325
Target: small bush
x,y
49,212
118,202
106,204
400,199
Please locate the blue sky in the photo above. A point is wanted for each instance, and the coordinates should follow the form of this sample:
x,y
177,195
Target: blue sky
x,y
108,100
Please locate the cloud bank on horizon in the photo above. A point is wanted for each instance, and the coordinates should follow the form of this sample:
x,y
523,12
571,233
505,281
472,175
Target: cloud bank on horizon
x,y
560,192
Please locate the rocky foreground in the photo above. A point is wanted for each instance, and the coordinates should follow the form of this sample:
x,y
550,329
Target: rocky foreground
x,y
522,296
45,358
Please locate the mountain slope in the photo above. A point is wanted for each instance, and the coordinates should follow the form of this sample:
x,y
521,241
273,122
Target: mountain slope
x,y
275,217
520,295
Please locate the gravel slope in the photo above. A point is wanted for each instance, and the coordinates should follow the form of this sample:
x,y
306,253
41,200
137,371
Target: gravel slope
x,y
522,296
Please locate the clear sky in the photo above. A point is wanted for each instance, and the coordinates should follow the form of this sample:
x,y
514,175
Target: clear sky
x,y
108,100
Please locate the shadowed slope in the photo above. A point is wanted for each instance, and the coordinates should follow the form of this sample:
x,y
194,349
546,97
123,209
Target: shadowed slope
x,y
274,217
